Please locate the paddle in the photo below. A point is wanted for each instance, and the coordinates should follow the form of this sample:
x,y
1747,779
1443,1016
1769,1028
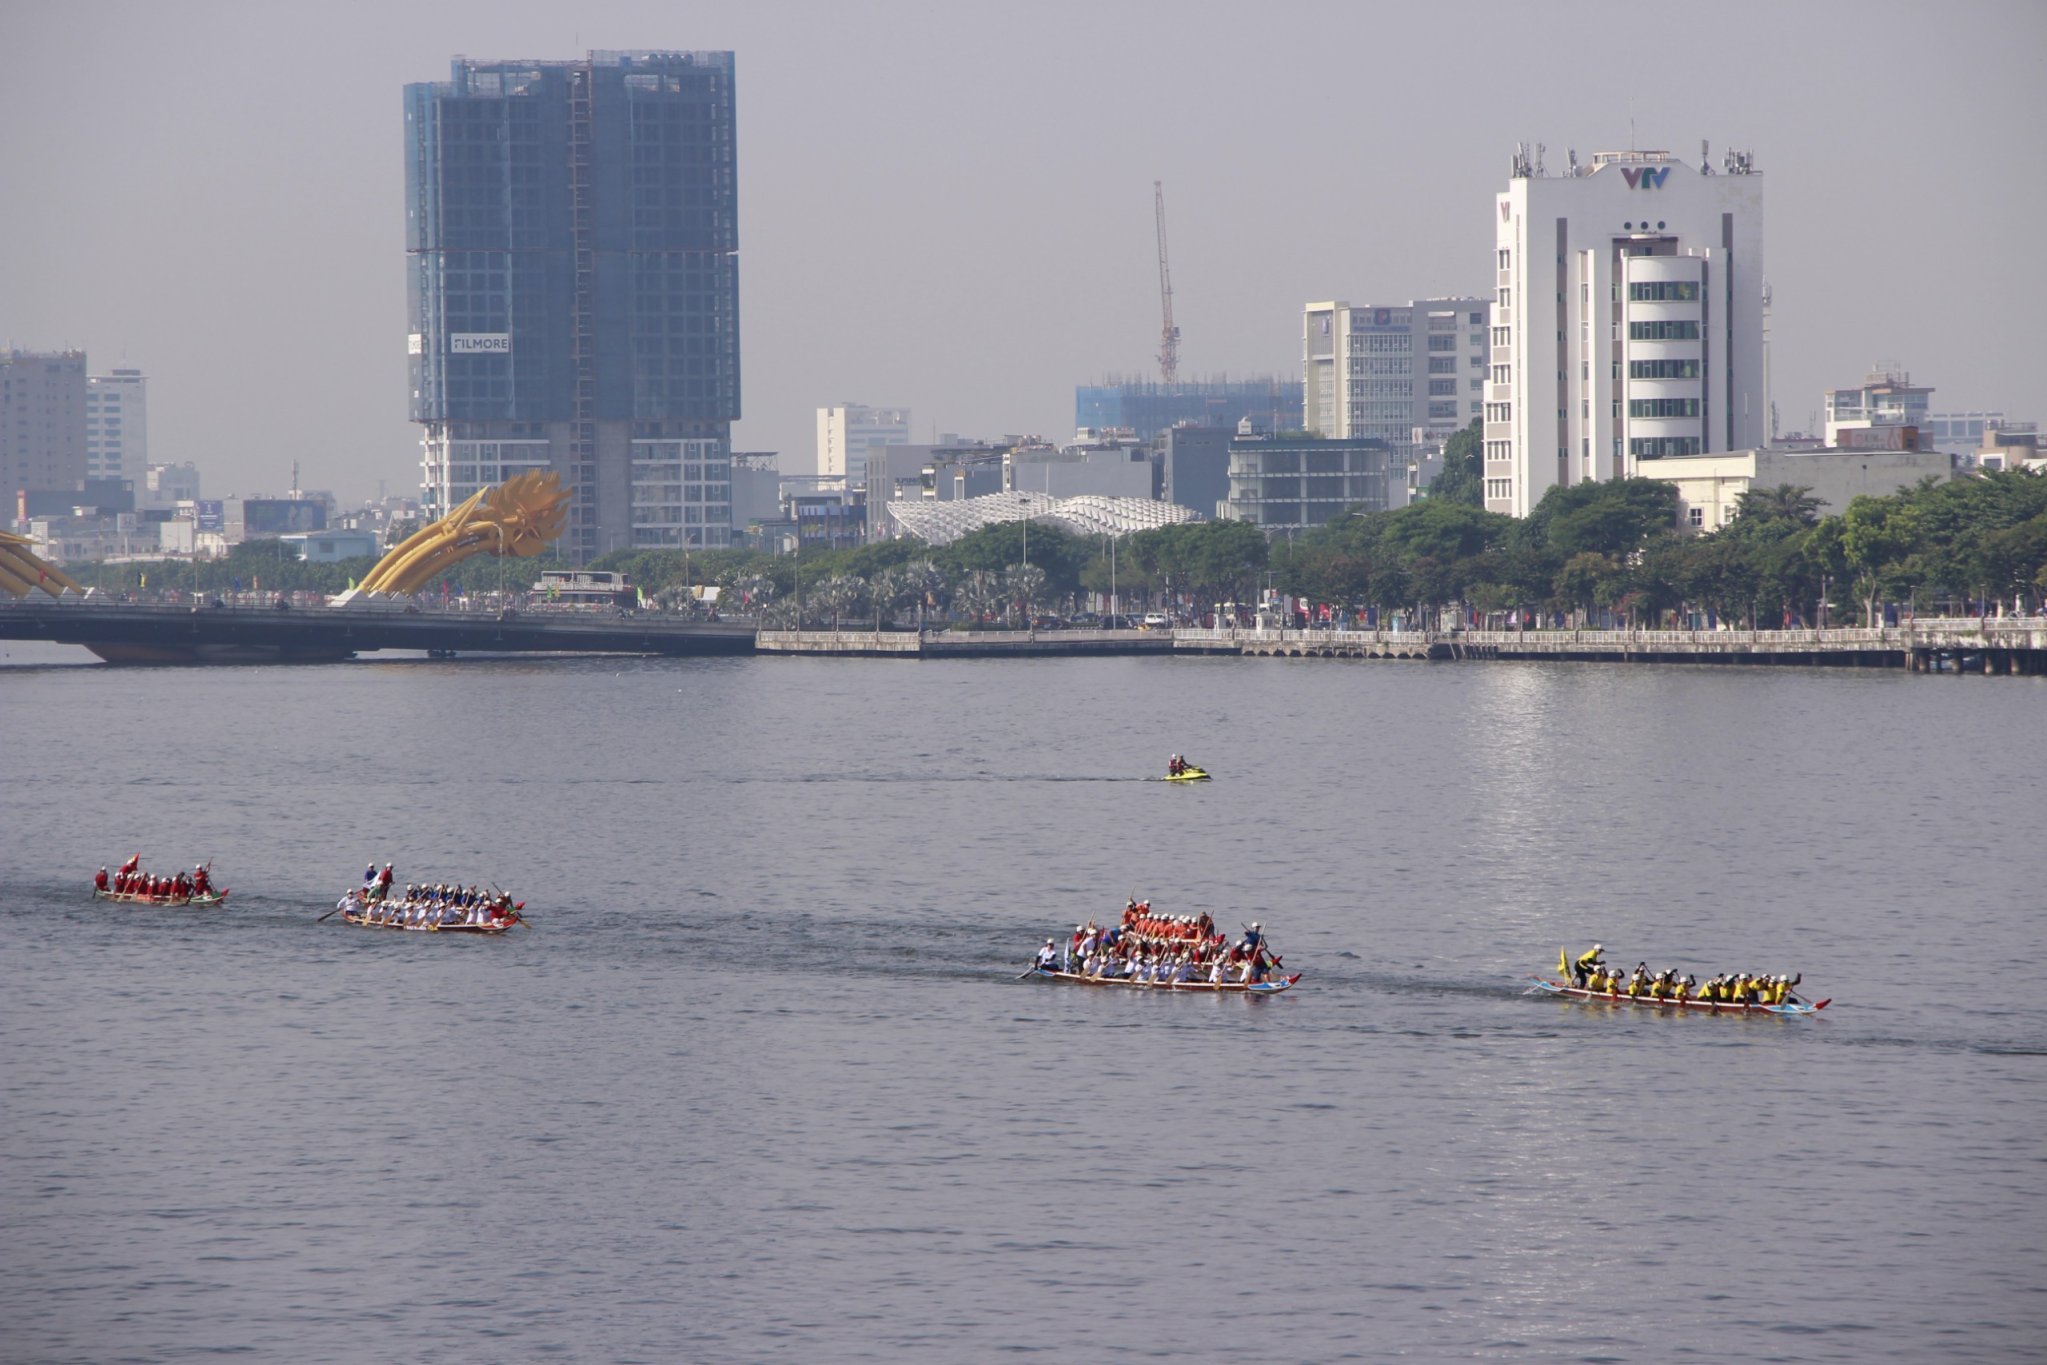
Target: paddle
x,y
335,911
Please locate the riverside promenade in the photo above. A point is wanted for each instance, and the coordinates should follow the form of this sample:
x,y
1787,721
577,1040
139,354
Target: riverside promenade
x,y
133,633
1999,645
964,644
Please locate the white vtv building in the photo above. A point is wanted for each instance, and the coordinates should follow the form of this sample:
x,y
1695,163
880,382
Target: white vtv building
x,y
1628,323
846,432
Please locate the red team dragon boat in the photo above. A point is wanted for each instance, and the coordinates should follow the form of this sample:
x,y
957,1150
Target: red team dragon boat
x,y
130,885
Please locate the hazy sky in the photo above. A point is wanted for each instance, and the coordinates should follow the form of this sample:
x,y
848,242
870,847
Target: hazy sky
x,y
949,206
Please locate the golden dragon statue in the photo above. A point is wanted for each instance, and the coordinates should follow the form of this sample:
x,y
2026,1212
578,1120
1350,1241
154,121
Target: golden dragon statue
x,y
22,571
517,518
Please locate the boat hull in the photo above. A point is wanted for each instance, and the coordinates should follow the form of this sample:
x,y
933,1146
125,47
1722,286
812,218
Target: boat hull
x,y
1271,987
1191,775
364,922
211,898
1696,1006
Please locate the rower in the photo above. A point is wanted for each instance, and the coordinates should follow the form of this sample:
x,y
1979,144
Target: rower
x,y
202,881
1581,970
1048,956
99,881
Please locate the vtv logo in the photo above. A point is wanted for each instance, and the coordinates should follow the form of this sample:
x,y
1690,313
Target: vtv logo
x,y
1645,177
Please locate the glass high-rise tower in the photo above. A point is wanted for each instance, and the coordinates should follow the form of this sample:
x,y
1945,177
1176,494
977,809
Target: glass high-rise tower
x,y
572,249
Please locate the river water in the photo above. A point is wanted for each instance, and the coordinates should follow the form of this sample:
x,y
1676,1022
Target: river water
x,y
760,1083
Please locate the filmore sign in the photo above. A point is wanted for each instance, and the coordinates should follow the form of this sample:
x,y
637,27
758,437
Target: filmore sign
x,y
479,343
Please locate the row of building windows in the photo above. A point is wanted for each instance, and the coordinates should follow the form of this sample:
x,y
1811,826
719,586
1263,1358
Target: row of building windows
x,y
1663,369
1499,452
1664,447
1663,407
1680,330
1663,291
1499,412
1442,343
1442,364
1499,490
1382,343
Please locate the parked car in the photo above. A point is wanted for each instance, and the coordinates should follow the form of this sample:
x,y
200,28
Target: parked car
x,y
1156,620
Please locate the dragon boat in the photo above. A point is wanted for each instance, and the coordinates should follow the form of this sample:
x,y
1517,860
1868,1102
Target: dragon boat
x,y
141,898
1270,986
1789,1007
364,921
426,917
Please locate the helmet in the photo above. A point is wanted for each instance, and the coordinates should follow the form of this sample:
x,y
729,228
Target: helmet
x,y
1598,947
1256,925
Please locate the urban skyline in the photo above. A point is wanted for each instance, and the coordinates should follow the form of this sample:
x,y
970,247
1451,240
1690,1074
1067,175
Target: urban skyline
x,y
975,268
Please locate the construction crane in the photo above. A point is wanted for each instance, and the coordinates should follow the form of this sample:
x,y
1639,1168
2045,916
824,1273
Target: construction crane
x,y
1169,335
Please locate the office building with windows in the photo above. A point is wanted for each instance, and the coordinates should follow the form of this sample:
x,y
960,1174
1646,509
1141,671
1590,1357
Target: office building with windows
x,y
846,433
1962,431
573,281
1408,374
1627,323
117,427
1289,483
42,422
1147,407
1886,398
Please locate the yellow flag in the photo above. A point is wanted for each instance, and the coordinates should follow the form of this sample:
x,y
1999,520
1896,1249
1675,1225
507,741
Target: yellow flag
x,y
1563,961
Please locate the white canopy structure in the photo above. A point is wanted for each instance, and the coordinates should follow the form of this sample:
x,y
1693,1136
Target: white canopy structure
x,y
941,523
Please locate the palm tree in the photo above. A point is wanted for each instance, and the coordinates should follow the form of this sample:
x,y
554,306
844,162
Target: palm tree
x,y
841,594
1785,502
981,595
1025,582
923,584
756,591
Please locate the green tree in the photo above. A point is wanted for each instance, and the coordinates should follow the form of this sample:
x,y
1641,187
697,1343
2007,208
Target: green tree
x,y
1877,536
1463,476
1784,503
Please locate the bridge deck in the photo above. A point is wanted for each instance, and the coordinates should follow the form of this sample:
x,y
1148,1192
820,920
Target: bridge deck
x,y
126,632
